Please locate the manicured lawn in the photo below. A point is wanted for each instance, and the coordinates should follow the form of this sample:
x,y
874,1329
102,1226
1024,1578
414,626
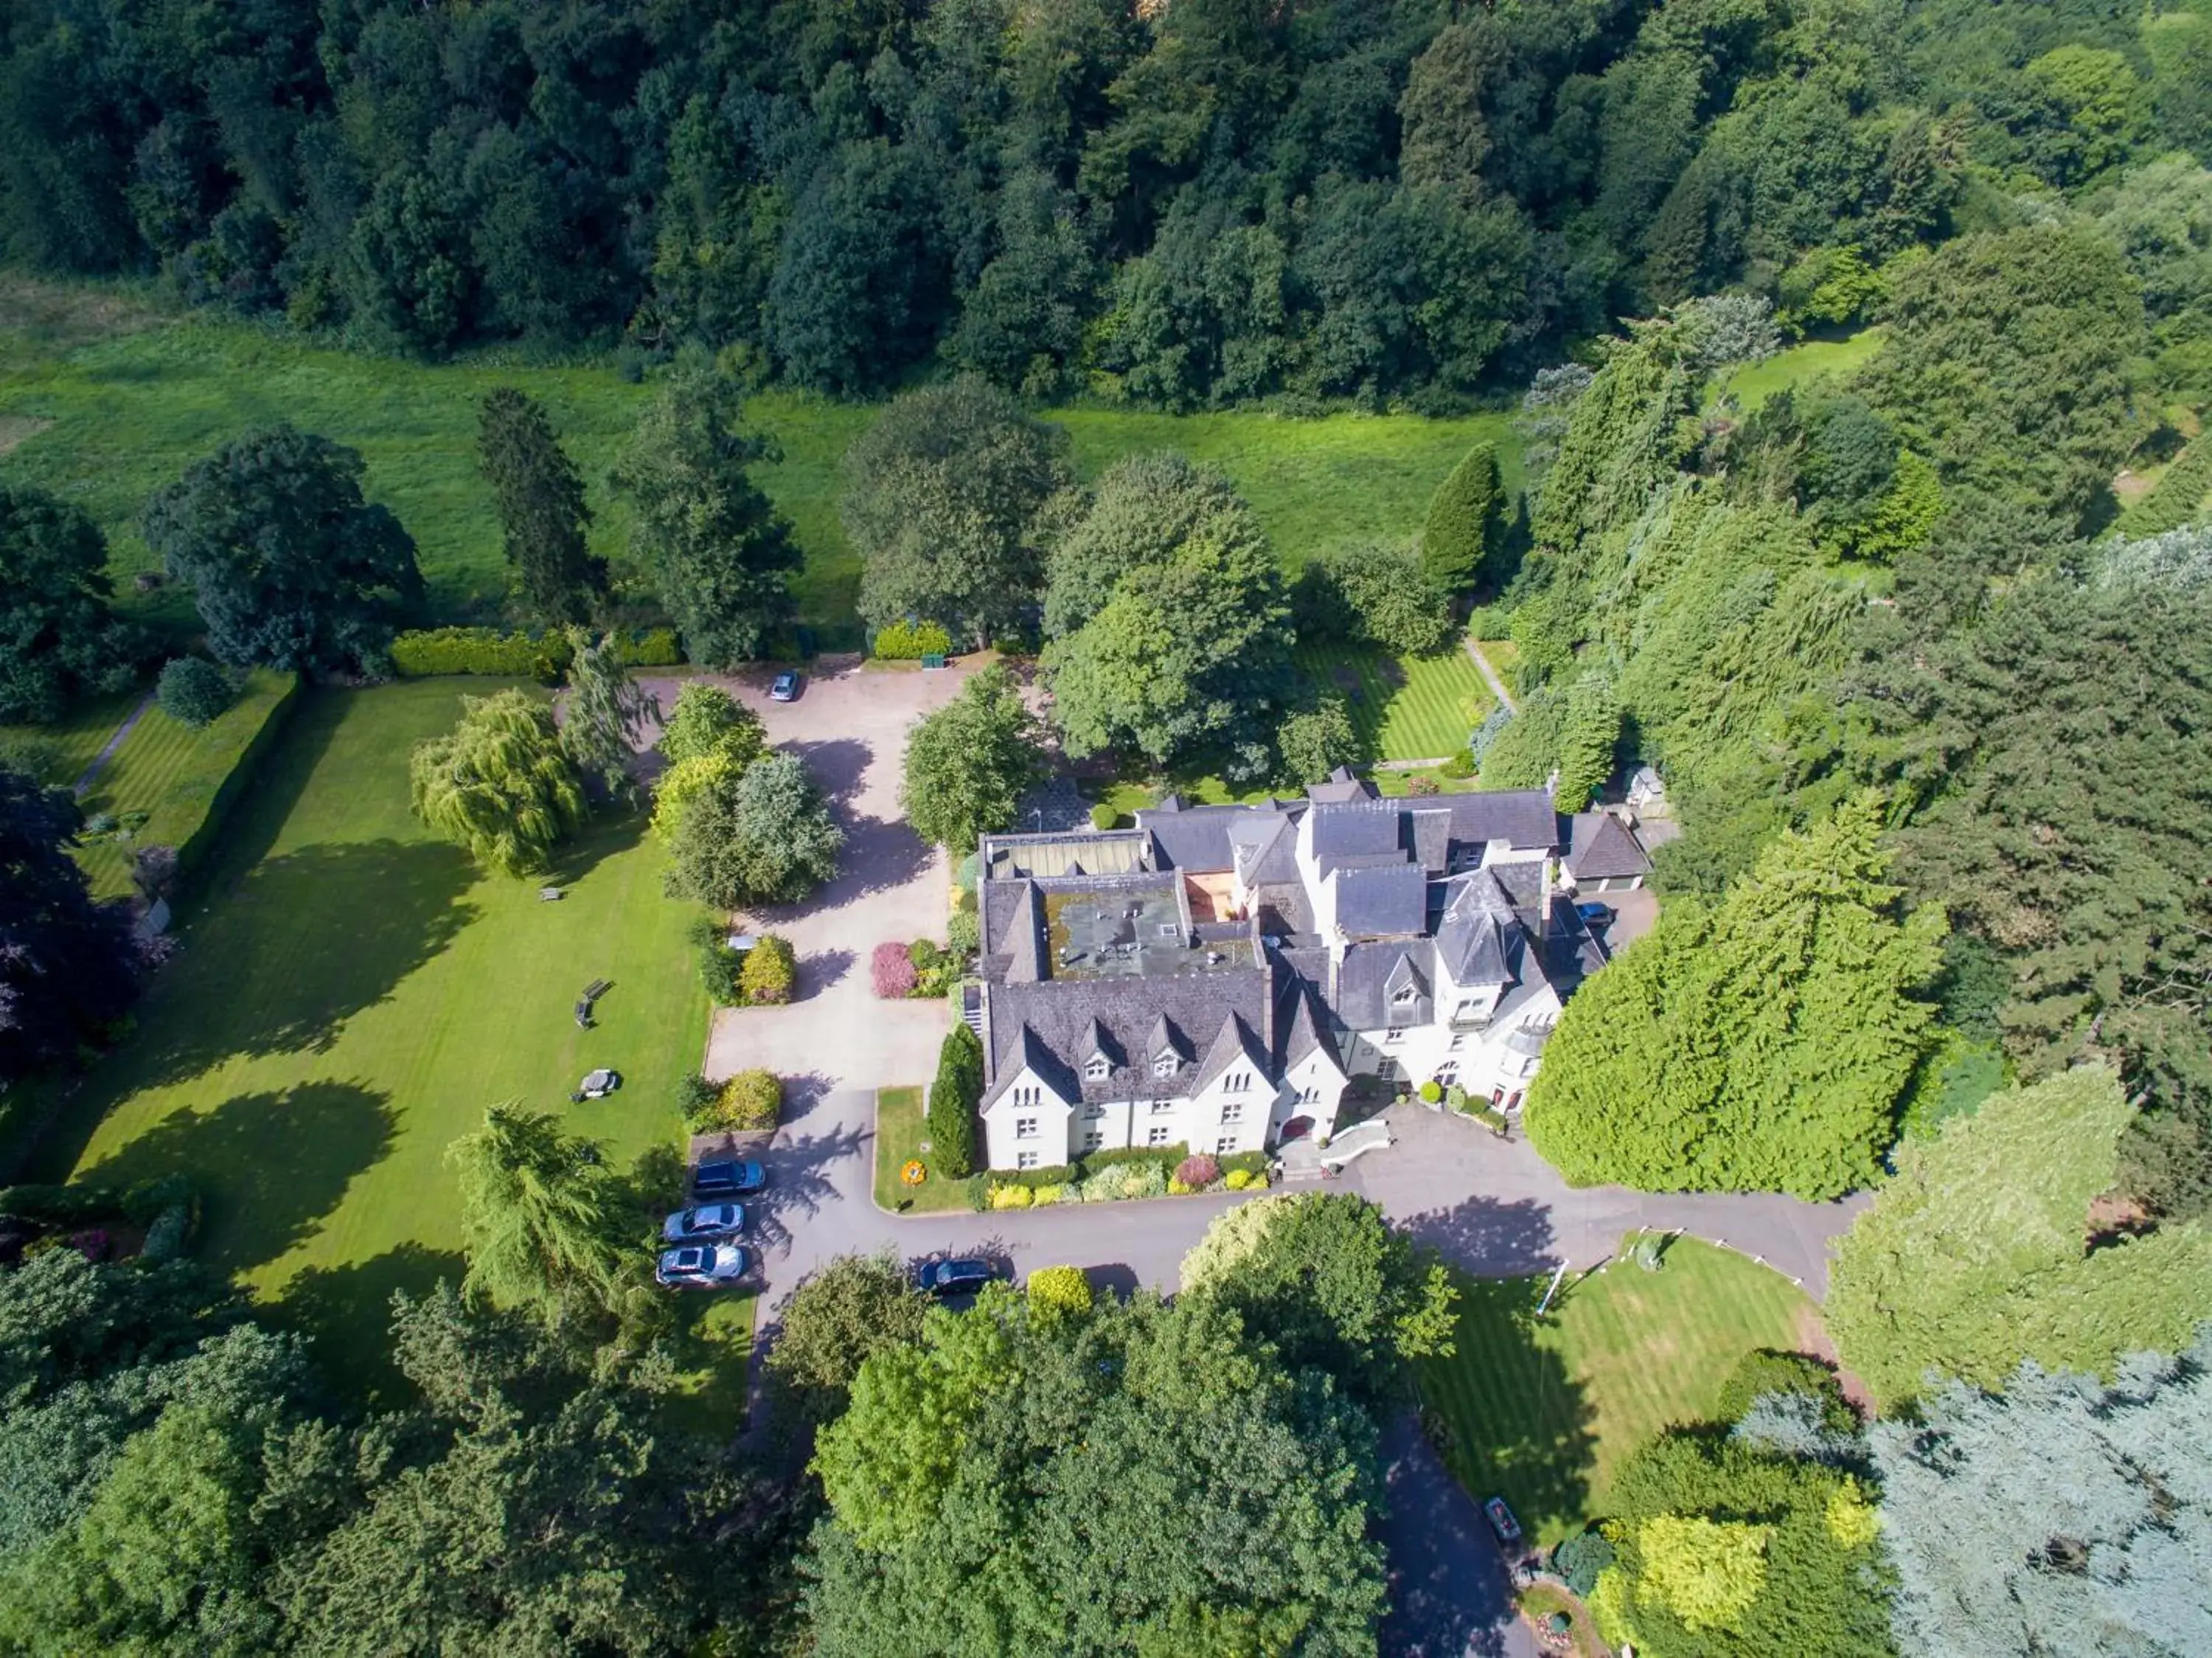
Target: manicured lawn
x,y
1405,708
71,741
351,995
1543,1411
900,1131
173,772
1755,382
132,399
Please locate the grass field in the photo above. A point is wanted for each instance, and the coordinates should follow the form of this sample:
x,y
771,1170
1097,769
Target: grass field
x,y
1543,1411
1405,708
172,772
1754,383
900,1131
70,742
130,398
351,995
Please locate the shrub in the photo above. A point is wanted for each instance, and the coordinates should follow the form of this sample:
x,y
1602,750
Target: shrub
x,y
952,1101
479,650
1237,1179
1580,1559
750,1100
1252,1162
36,758
719,966
1458,768
1010,1197
965,931
1198,1172
1764,1371
909,642
892,971
1421,786
193,690
1060,1291
1433,1092
1103,816
166,1238
653,647
1033,1179
696,1098
1162,1157
1048,1193
154,871
770,972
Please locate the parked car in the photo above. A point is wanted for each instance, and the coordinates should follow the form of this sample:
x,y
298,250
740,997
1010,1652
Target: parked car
x,y
708,1221
699,1266
786,688
1502,1521
727,1178
943,1278
1595,916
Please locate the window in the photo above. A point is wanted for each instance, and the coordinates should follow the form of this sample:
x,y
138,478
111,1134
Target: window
x,y
1497,1096
1308,1094
1233,1113
1028,1096
1158,1134
1096,1067
1094,1111
1160,1105
1457,1041
1386,1070
1092,1139
1236,1081
1025,1160
1396,1034
1403,995
1513,1101
1164,1066
1447,1074
1529,1067
1224,1145
1025,1128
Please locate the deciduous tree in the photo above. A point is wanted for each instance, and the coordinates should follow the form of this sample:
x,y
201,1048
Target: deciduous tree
x,y
605,713
68,968
855,1306
58,635
501,784
762,836
969,764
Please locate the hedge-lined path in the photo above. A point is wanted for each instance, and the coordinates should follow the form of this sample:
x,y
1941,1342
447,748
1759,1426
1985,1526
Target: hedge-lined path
x,y
1490,676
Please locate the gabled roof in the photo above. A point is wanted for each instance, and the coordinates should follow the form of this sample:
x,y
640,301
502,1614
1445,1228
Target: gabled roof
x,y
1479,939
1382,900
1363,980
1343,830
1061,1018
1302,1030
1196,839
1429,827
1405,980
1522,818
1027,1051
1013,932
1101,1041
1341,785
1264,847
1166,1039
1234,1043
1599,847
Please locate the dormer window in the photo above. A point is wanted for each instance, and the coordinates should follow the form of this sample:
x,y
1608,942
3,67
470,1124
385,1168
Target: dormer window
x,y
1164,1066
1403,995
1096,1067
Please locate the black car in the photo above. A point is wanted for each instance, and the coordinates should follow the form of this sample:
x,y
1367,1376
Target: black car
x,y
943,1278
727,1180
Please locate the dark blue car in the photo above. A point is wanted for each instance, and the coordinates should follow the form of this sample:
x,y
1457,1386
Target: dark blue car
x,y
730,1178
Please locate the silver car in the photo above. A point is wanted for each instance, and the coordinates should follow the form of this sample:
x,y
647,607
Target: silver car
x,y
708,1221
699,1266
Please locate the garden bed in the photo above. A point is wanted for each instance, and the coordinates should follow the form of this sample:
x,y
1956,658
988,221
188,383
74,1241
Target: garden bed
x,y
1119,1176
901,1132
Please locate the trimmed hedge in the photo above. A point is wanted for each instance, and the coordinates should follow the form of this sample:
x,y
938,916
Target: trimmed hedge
x,y
909,642
433,651
194,849
142,1204
1166,1157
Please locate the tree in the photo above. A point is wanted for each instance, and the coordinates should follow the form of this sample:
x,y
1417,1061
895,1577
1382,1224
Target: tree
x,y
1384,594
501,784
2057,1516
941,499
58,636
853,1308
1759,1046
68,967
717,550
1317,740
1463,537
953,1098
605,711
290,566
764,836
1141,510
193,690
1986,1249
542,513
1588,736
969,764
541,1215
708,719
1326,1281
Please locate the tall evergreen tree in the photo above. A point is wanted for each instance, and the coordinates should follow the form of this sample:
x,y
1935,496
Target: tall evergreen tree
x,y
68,970
605,712
541,510
1461,538
539,1212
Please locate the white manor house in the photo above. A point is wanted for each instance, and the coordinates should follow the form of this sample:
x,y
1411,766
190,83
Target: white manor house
x,y
1214,977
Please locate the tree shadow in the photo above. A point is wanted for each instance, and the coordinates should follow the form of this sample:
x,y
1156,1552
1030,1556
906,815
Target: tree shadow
x,y
615,827
877,857
267,1165
373,913
1489,1237
346,1313
819,970
838,766
1450,1594
800,1188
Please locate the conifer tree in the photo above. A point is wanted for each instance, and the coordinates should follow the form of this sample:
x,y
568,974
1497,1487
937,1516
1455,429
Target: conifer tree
x,y
1460,540
541,512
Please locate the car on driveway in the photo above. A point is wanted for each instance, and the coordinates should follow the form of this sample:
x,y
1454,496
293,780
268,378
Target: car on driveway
x,y
785,688
1502,1521
730,1178
699,1266
1595,916
707,1221
946,1279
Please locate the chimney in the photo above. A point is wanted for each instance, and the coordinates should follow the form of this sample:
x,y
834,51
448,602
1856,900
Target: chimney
x,y
1548,880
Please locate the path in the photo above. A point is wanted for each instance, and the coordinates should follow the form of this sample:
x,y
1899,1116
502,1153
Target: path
x,y
1490,675
1449,1595
107,750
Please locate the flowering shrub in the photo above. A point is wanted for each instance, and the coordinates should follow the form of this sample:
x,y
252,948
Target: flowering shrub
x,y
1198,1172
1239,1178
1179,1188
891,969
1060,1291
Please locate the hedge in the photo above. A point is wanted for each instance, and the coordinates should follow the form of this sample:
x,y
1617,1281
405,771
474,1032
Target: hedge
x,y
141,1203
194,850
433,651
1166,1157
909,642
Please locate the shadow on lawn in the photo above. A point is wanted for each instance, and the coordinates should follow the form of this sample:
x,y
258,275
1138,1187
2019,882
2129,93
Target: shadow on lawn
x,y
346,1311
363,916
267,1165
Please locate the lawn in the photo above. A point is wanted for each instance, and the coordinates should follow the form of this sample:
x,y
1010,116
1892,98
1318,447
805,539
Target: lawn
x,y
1543,1411
900,1131
68,746
351,995
1404,708
131,398
1754,383
172,773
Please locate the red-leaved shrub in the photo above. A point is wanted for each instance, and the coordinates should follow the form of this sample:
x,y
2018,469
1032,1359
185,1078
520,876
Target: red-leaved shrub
x,y
1198,1172
892,969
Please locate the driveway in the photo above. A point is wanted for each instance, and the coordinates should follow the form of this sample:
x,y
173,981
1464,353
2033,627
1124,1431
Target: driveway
x,y
1449,1595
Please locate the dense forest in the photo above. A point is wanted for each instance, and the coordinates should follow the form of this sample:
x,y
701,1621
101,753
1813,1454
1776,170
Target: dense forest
x,y
1182,204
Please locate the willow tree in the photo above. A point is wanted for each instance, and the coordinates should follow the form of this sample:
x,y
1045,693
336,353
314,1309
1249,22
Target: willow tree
x,y
541,1215
500,784
605,713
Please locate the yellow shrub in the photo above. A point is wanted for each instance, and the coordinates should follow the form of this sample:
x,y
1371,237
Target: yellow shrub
x,y
1178,1189
1010,1197
1237,1179
1852,1520
1042,1197
1709,1572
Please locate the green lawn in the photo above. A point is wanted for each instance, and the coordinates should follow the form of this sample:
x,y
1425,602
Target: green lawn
x,y
1543,1411
1405,708
351,995
900,1131
173,772
1754,383
132,398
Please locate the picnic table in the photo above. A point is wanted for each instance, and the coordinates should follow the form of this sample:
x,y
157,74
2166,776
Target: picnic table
x,y
597,1085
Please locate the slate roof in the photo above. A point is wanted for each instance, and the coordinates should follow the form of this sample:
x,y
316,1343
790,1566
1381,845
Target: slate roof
x,y
1381,900
1479,940
1056,1020
1197,839
1522,818
1430,831
1363,984
1348,831
1299,1026
1341,785
1013,932
1264,845
1599,847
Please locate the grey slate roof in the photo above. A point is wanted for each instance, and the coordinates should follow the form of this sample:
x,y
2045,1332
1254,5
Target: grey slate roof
x,y
1236,1043
1300,1028
1197,839
1522,818
1363,984
1013,931
1479,940
1341,785
1430,832
1054,1020
1347,831
1382,900
1264,845
1599,847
